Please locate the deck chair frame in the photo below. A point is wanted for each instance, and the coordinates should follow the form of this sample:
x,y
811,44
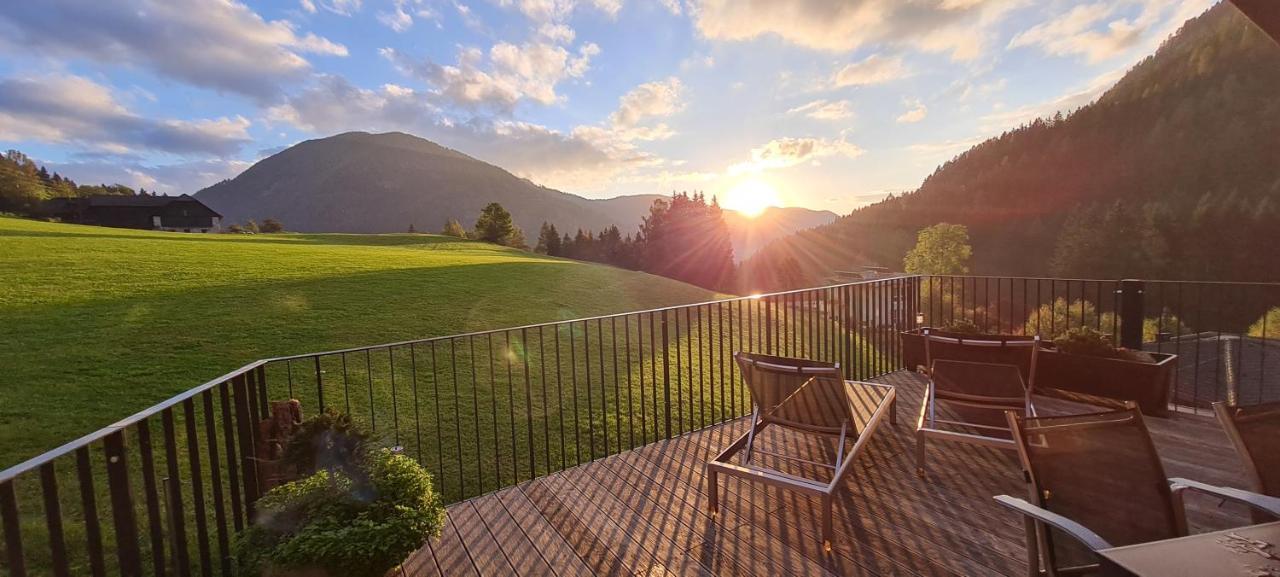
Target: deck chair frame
x,y
1230,418
760,420
927,423
1039,519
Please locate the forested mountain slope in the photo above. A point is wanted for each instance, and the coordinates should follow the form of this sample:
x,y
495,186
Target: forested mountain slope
x,y
1174,172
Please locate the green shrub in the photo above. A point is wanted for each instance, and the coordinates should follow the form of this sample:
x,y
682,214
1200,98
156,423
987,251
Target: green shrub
x,y
962,327
358,526
1086,341
329,440
1267,325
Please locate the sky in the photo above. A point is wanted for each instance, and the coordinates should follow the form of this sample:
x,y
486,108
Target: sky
x,y
828,104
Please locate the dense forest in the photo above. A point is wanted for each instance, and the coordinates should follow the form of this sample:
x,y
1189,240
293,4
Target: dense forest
x,y
683,237
1172,173
24,185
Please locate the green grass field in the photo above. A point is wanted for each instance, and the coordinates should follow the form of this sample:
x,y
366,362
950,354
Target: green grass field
x,y
99,323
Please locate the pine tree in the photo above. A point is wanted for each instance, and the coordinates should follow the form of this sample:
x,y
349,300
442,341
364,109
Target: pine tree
x,y
494,224
548,240
412,230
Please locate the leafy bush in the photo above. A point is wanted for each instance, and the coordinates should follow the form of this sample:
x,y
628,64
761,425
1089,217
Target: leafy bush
x,y
962,327
1267,325
360,526
1085,341
329,440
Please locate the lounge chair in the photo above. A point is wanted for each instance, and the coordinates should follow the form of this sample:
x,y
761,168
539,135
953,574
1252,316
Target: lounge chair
x,y
811,397
1097,480
1255,432
975,381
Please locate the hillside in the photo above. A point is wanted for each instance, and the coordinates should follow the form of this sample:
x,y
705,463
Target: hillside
x,y
376,183
1173,172
101,322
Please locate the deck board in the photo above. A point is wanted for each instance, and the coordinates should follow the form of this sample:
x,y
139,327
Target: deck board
x,y
644,511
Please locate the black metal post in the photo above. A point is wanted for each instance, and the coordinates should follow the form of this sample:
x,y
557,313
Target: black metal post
x,y
1131,313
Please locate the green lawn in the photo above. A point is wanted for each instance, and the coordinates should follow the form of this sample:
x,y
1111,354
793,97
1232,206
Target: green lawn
x,y
98,323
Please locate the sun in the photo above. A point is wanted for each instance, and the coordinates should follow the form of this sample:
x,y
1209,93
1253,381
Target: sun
x,y
751,197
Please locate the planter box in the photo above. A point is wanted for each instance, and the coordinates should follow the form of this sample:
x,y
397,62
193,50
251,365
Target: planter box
x,y
1149,384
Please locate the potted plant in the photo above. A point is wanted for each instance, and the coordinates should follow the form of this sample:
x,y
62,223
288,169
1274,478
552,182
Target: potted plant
x,y
361,513
1083,360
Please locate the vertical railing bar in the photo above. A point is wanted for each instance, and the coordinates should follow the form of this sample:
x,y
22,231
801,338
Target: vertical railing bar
x,y
604,386
417,418
395,396
591,411
617,387
511,407
368,377
12,530
197,488
52,521
155,524
346,384
320,384
475,410
457,414
666,375
179,529
233,469
546,415
528,400
564,464
493,408
89,509
435,395
573,382
631,407
122,512
215,478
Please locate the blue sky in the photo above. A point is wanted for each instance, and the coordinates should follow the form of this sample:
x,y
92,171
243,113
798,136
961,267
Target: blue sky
x,y
822,103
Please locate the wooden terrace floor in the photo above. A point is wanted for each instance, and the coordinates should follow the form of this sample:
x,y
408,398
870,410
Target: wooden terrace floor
x,y
643,512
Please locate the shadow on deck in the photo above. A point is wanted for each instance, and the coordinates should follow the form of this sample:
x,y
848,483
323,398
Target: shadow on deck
x,y
643,512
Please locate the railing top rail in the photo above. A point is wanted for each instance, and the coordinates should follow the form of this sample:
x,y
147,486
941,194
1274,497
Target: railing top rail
x,y
576,320
66,448
69,447
1097,280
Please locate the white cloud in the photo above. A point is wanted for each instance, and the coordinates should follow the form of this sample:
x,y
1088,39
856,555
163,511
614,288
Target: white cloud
x,y
672,6
559,10
542,154
67,109
308,6
397,19
874,69
340,7
224,46
947,26
1074,32
511,74
825,110
651,99
788,152
916,112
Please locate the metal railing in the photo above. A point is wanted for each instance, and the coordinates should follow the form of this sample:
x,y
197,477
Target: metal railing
x,y
1226,341
164,491
482,411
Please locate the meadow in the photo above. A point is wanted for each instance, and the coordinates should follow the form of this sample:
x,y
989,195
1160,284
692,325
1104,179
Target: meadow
x,y
99,323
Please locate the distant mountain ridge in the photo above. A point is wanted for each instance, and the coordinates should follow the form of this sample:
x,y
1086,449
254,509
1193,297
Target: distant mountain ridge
x,y
369,183
1174,172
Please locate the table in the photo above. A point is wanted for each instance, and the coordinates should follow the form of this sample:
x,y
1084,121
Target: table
x,y
1226,553
814,408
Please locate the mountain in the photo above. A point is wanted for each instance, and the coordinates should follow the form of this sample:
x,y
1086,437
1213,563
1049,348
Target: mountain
x,y
750,234
1174,172
367,183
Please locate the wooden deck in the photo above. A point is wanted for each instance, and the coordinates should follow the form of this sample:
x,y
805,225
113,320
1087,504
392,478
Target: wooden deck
x,y
643,512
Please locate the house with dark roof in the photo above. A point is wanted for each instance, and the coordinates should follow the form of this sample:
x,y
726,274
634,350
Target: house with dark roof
x,y
172,213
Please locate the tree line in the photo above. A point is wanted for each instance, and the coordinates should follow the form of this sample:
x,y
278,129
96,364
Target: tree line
x,y
24,185
683,237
